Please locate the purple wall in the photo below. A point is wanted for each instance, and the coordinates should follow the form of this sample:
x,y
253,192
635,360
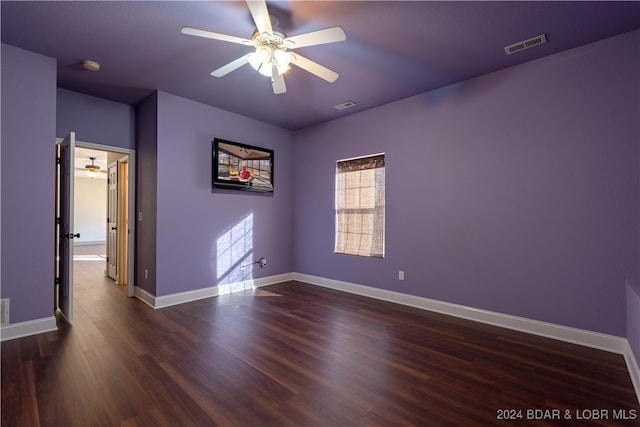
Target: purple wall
x,y
515,192
202,235
146,192
95,120
28,135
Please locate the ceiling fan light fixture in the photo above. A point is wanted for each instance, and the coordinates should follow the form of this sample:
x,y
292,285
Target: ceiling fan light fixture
x,y
282,59
263,53
92,170
257,65
265,68
261,60
254,61
266,57
92,173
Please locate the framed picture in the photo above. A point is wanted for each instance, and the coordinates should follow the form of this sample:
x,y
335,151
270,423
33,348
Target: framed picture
x,y
241,166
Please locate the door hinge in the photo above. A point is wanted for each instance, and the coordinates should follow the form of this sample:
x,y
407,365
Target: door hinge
x,y
58,220
57,281
58,161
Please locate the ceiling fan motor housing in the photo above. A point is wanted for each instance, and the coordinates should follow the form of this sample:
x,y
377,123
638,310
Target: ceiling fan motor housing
x,y
92,166
270,53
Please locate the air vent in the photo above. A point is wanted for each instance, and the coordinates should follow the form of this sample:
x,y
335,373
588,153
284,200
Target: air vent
x,y
526,44
345,105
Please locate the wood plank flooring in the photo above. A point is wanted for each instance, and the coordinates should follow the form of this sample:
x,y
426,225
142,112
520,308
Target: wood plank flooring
x,y
297,355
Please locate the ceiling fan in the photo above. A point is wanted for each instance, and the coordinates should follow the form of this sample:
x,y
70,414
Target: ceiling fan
x,y
271,56
92,170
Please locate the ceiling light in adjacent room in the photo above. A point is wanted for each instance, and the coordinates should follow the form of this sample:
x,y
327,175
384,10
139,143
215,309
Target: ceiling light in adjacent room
x,y
92,170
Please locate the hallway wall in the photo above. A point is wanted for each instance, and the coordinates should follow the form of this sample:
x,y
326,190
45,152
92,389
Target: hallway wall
x,y
28,125
90,210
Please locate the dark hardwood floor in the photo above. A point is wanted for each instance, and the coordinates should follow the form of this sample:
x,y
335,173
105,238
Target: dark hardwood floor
x,y
297,355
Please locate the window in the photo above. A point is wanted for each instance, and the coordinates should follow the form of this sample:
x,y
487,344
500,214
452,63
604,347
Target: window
x,y
360,206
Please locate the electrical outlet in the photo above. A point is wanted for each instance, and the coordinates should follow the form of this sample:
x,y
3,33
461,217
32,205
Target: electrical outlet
x,y
400,275
4,311
146,274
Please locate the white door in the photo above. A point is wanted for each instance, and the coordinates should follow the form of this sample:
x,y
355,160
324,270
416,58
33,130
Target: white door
x,y
112,223
65,235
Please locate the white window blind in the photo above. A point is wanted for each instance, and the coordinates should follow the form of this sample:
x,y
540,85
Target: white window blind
x,y
360,206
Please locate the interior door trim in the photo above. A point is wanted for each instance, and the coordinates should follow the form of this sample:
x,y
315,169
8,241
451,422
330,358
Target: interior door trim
x,y
131,205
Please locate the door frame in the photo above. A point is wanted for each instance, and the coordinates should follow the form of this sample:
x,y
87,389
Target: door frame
x,y
124,163
131,204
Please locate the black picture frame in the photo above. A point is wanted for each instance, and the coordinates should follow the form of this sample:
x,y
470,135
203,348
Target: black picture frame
x,y
241,166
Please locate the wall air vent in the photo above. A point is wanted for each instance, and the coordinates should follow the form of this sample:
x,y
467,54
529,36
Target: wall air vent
x,y
526,44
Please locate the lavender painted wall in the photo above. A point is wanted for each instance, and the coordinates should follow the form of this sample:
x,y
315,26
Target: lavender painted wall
x,y
95,120
203,235
28,134
146,192
515,192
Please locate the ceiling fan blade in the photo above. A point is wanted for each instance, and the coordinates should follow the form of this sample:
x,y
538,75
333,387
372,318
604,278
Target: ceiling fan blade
x,y
226,69
87,169
328,35
314,68
215,36
277,81
260,14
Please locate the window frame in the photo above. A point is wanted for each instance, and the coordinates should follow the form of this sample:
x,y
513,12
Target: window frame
x,y
367,199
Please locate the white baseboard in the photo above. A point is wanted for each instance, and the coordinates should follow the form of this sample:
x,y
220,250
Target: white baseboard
x,y
536,327
30,327
144,296
198,294
568,334
583,337
563,333
634,369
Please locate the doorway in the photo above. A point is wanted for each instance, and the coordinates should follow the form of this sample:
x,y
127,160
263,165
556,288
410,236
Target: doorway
x,y
98,214
100,209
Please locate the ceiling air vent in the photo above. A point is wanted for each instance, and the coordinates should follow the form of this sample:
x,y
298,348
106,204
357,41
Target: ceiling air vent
x,y
526,44
345,105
